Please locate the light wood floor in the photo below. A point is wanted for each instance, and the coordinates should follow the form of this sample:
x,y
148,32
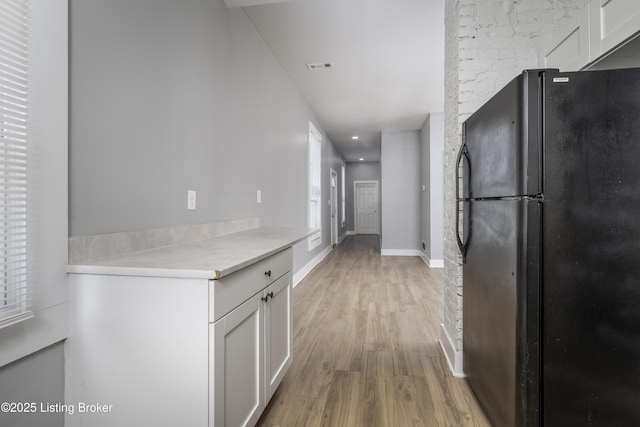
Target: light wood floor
x,y
366,349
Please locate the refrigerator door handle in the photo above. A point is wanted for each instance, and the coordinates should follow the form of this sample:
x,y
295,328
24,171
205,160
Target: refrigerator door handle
x,y
463,243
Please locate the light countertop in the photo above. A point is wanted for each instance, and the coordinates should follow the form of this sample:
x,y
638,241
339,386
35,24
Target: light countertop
x,y
202,259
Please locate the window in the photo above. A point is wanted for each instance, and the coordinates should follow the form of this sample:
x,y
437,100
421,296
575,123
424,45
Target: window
x,y
14,289
344,203
315,185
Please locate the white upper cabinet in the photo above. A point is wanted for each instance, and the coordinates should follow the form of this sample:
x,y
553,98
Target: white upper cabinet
x,y
614,22
570,49
602,27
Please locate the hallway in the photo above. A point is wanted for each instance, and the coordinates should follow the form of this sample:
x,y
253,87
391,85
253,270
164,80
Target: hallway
x,y
366,352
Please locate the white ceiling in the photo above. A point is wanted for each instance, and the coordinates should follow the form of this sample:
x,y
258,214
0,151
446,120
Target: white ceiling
x,y
388,58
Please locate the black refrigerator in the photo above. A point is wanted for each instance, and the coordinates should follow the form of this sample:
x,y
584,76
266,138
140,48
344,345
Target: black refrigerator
x,y
549,228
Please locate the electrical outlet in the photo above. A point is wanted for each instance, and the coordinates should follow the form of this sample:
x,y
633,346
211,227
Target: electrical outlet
x,y
191,200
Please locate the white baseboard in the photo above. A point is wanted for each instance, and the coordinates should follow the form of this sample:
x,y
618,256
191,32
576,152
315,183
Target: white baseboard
x,y
454,357
432,263
350,233
400,252
436,263
341,238
306,269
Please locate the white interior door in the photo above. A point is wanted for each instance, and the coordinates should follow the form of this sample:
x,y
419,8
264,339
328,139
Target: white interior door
x,y
334,207
367,217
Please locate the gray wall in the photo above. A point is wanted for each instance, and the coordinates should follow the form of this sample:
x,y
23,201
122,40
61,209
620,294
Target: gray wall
x,y
360,171
173,96
400,195
38,378
432,177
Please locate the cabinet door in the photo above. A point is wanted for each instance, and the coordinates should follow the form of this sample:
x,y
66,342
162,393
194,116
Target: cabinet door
x,y
236,364
570,49
277,332
613,22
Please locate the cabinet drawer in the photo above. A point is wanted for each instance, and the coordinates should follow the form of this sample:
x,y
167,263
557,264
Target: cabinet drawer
x,y
229,292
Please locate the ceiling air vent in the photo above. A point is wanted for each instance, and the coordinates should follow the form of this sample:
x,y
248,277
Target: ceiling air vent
x,y
320,65
243,3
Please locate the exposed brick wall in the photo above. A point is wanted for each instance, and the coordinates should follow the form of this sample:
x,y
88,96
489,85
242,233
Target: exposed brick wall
x,y
452,269
487,43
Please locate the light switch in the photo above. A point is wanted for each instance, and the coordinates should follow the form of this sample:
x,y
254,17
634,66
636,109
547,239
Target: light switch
x,y
259,196
191,200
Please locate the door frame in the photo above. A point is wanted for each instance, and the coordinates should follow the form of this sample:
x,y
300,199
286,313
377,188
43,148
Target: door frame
x,y
355,204
333,201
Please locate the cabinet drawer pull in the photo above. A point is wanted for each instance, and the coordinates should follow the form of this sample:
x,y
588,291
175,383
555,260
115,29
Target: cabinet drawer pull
x,y
266,297
270,294
267,273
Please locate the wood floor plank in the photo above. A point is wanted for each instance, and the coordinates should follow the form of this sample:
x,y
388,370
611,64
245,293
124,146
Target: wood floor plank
x,y
366,349
344,404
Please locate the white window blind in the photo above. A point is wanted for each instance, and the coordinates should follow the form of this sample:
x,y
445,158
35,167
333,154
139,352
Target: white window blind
x,y
315,185
15,301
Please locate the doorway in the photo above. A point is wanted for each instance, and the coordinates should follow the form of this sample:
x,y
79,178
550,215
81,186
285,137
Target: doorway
x,y
334,207
366,215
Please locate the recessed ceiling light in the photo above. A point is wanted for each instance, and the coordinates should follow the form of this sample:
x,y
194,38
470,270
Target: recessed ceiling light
x,y
361,159
354,137
320,65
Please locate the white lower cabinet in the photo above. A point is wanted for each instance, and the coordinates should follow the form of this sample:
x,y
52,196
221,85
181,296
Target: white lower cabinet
x,y
167,352
250,353
138,346
278,339
237,386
